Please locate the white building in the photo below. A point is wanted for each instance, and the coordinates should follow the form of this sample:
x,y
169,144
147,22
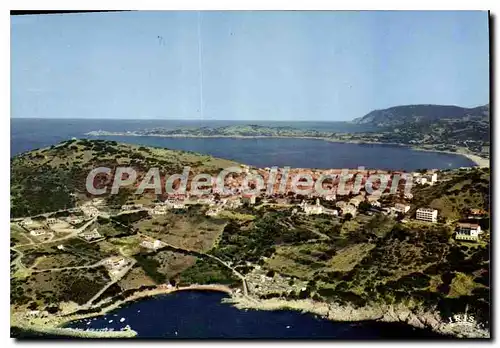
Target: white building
x,y
373,200
38,232
115,262
52,220
74,220
312,209
356,200
467,231
401,208
249,199
427,214
330,197
26,222
159,210
212,212
94,234
151,245
90,211
349,209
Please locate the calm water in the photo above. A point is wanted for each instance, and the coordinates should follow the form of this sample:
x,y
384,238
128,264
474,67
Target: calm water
x,y
200,314
299,153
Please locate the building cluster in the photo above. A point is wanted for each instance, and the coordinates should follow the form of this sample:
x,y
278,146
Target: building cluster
x,y
429,178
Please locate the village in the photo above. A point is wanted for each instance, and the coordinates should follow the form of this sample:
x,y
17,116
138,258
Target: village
x,y
77,222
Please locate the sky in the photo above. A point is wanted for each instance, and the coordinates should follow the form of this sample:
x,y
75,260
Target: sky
x,y
311,65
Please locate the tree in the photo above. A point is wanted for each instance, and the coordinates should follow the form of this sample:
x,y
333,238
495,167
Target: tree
x,y
347,217
364,206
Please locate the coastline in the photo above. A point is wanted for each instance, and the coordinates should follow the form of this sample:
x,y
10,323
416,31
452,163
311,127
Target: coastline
x,y
55,325
381,313
478,160
330,311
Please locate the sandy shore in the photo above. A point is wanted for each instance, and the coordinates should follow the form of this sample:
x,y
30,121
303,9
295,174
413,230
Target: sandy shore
x,y
480,161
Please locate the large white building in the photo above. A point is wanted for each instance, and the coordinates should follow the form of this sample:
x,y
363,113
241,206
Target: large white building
x,y
427,214
468,231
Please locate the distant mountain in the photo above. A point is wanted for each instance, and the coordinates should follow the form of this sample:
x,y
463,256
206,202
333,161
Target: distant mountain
x,y
399,115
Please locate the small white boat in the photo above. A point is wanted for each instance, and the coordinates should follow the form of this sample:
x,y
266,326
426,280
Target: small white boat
x,y
122,320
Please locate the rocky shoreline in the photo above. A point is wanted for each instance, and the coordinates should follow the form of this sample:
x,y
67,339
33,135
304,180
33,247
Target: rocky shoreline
x,y
331,311
382,313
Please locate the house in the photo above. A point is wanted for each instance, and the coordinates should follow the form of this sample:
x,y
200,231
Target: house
x,y
408,196
333,212
373,200
233,203
26,222
340,204
401,208
312,209
248,199
330,197
429,178
355,201
90,211
205,200
131,206
349,209
467,231
151,245
427,214
88,236
74,220
38,232
52,220
158,210
175,203
212,212
115,262
477,213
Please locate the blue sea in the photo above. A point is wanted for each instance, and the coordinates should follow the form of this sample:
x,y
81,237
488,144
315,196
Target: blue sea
x,y
29,134
200,314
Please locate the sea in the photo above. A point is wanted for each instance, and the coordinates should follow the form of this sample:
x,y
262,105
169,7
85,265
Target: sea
x,y
29,134
197,314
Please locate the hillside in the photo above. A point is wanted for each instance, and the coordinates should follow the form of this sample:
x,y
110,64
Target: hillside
x,y
53,178
399,115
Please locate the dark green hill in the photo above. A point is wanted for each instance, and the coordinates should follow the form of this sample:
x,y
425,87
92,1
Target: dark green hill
x,y
399,115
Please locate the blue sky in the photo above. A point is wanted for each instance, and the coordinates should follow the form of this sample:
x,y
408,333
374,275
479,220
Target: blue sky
x,y
329,66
